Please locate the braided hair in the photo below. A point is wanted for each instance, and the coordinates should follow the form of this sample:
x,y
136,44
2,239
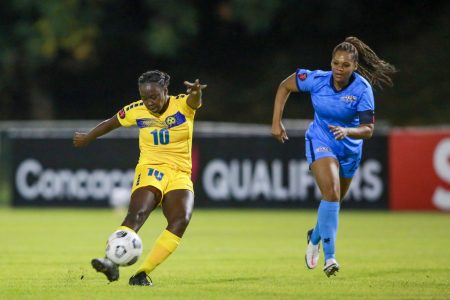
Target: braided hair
x,y
370,66
155,76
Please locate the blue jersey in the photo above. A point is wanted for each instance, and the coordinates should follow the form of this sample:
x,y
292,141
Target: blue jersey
x,y
340,108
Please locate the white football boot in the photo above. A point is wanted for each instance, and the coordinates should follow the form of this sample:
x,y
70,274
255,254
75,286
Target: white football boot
x,y
331,267
312,252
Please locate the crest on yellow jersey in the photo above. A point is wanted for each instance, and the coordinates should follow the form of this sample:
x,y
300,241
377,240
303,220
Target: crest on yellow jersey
x,y
175,120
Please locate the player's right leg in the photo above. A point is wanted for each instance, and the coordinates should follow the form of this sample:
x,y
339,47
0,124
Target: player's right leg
x,y
326,173
143,202
107,267
331,267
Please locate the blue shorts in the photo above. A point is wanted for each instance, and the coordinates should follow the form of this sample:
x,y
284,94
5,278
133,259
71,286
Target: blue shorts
x,y
348,162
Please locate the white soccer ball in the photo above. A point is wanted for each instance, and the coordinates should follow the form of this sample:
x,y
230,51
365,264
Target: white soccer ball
x,y
124,247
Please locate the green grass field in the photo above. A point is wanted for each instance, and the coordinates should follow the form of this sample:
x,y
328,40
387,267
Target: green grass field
x,y
229,254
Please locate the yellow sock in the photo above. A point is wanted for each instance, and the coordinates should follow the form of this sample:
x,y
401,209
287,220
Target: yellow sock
x,y
166,243
125,228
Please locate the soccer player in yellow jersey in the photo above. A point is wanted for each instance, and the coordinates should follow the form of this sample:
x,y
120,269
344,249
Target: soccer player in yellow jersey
x,y
163,173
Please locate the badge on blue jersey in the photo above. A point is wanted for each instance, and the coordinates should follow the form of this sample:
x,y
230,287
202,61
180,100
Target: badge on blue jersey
x,y
349,98
175,120
302,76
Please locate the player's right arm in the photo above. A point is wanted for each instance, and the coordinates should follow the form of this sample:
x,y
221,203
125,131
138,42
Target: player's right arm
x,y
284,90
81,139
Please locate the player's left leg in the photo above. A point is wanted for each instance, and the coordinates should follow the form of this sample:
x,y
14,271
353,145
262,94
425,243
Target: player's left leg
x,y
348,167
312,249
345,185
177,207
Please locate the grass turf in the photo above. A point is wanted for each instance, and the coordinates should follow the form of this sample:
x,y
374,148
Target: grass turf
x,y
228,254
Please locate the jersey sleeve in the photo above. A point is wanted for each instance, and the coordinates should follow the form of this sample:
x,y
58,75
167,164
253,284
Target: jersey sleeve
x,y
184,107
304,80
366,101
126,116
366,107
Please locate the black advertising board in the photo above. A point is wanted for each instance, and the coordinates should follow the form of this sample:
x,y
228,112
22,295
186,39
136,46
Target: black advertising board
x,y
51,172
260,172
228,171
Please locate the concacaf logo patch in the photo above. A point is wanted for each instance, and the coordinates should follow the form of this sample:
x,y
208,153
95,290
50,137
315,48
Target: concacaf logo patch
x,y
302,76
122,114
143,123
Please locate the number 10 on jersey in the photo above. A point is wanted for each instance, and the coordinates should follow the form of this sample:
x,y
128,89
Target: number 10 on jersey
x,y
161,136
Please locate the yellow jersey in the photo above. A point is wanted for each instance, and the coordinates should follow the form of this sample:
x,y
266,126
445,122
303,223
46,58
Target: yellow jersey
x,y
164,139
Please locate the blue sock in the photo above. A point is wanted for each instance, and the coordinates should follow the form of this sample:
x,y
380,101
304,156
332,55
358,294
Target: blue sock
x,y
328,219
315,236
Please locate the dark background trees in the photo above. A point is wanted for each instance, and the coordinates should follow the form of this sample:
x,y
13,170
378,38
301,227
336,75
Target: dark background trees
x,y
67,59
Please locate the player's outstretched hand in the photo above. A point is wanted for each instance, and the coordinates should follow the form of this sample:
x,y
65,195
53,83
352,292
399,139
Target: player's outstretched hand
x,y
80,139
194,87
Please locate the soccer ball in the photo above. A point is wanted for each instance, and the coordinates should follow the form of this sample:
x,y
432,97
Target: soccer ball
x,y
124,247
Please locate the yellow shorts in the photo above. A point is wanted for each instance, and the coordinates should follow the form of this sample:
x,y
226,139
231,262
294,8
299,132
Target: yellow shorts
x,y
163,178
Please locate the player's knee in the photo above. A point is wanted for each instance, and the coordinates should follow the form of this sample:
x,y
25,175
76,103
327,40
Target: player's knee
x,y
142,215
139,216
180,222
183,221
331,194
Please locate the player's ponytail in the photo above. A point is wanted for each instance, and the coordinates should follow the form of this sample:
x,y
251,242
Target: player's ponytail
x,y
370,66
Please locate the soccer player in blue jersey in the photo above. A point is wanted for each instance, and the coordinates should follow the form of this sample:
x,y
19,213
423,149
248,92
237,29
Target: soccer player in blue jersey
x,y
344,115
163,173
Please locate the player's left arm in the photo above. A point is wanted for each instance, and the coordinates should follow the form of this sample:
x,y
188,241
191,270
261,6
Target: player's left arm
x,y
363,131
366,117
194,90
